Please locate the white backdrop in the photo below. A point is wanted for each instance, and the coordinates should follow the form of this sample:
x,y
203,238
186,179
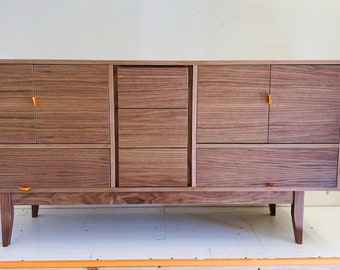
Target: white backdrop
x,y
171,30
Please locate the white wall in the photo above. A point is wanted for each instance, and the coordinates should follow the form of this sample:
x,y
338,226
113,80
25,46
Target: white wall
x,y
173,29
170,29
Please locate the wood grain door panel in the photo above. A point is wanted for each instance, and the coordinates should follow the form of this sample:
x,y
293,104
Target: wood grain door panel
x,y
153,167
153,87
306,104
232,104
16,107
54,168
73,103
153,128
267,167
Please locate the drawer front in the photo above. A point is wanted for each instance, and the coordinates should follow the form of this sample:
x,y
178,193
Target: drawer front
x,y
153,167
153,87
153,127
267,168
54,168
16,107
232,104
72,103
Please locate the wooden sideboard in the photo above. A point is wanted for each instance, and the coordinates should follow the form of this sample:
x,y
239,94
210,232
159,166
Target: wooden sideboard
x,y
167,132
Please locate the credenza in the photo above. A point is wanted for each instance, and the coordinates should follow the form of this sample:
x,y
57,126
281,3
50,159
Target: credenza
x,y
167,132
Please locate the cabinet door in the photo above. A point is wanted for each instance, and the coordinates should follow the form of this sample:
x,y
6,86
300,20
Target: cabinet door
x,y
306,104
16,107
153,167
54,168
285,168
232,104
72,103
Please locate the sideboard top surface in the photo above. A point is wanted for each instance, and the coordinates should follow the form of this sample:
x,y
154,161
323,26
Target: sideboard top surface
x,y
170,62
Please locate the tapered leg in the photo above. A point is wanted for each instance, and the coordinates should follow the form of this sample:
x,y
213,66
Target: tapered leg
x,y
272,209
35,210
297,215
7,217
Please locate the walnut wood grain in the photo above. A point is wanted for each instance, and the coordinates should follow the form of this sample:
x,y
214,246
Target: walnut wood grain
x,y
156,106
193,126
297,210
113,126
16,107
290,167
153,127
152,197
152,167
73,104
35,210
168,62
54,168
272,209
7,218
306,104
153,87
232,104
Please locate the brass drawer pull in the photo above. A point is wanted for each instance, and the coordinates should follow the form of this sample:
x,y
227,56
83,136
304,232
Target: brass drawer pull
x,y
270,101
34,100
25,188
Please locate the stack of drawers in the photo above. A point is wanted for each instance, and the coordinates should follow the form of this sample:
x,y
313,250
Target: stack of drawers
x,y
153,126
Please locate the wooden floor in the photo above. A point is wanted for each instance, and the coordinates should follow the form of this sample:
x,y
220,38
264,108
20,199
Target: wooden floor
x,y
173,237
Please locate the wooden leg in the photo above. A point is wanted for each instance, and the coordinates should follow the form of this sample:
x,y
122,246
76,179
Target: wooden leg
x,y
7,217
35,210
297,215
272,209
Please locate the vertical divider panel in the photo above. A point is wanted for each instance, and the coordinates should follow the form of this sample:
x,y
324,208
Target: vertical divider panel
x,y
112,126
114,109
34,107
193,117
269,93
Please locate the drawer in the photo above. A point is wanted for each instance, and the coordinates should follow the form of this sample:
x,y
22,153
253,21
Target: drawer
x,y
54,168
153,127
153,167
153,87
267,168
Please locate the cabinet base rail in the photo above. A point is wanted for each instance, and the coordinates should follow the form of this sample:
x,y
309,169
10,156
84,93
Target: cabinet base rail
x,y
8,200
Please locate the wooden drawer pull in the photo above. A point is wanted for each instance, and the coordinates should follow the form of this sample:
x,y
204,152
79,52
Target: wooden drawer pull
x,y
34,100
270,101
25,188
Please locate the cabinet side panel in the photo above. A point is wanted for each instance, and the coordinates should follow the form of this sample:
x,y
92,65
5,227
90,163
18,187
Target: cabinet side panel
x,y
232,104
16,107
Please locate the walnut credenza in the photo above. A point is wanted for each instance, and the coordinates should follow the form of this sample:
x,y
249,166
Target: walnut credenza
x,y
167,132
